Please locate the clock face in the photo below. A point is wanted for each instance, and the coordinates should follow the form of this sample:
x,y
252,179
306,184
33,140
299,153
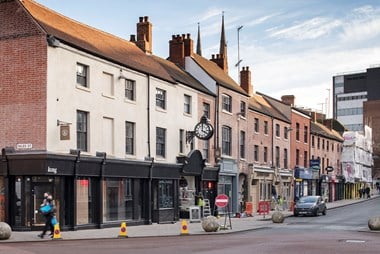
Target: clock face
x,y
203,131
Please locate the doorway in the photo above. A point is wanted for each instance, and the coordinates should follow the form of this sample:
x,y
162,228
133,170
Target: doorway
x,y
38,190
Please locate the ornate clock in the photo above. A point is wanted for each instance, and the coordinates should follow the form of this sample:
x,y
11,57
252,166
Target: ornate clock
x,y
203,129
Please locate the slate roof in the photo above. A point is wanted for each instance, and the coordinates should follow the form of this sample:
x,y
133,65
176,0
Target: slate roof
x,y
259,103
284,110
182,76
94,41
214,71
321,130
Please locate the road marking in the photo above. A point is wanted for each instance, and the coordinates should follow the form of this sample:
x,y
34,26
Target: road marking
x,y
355,241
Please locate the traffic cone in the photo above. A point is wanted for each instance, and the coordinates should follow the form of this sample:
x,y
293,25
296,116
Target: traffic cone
x,y
57,232
123,230
184,228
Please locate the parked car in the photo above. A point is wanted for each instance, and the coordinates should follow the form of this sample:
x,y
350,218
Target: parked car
x,y
310,205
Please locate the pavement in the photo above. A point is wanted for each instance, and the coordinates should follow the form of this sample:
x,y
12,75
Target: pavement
x,y
171,229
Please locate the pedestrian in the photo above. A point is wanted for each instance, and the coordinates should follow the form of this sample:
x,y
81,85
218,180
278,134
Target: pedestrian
x,y
368,191
48,211
201,203
280,202
274,194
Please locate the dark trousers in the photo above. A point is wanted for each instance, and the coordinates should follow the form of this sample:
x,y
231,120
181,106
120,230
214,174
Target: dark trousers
x,y
48,225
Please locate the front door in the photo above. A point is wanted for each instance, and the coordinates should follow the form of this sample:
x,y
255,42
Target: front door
x,y
38,190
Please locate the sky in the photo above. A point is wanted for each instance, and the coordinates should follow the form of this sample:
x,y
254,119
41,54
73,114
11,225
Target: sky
x,y
292,47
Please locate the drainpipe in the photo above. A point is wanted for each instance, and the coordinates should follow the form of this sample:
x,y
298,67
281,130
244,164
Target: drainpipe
x,y
102,169
150,207
5,162
216,129
76,165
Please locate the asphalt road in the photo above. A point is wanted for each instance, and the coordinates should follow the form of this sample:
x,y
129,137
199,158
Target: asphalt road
x,y
342,230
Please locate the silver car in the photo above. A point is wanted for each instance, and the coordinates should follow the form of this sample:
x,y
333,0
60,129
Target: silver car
x,y
310,205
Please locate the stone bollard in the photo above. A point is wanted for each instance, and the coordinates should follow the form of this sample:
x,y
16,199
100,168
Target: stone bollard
x,y
5,231
278,217
210,224
374,223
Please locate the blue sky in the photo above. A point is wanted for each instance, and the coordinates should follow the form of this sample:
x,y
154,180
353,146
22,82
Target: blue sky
x,y
291,46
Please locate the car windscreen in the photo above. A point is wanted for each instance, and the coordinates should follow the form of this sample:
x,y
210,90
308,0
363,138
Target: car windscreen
x,y
308,200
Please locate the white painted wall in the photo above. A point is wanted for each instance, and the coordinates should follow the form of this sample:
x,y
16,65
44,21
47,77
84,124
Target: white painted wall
x,y
107,111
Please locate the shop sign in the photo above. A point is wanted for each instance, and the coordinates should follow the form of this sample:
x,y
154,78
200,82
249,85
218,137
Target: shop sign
x,y
24,146
52,170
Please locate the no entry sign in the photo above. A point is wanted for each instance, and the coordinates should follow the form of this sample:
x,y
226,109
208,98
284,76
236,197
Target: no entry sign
x,y
221,200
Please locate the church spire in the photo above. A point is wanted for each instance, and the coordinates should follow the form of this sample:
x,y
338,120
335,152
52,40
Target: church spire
x,y
221,58
223,46
199,47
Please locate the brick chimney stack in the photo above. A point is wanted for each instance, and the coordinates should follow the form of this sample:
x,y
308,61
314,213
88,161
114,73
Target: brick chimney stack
x,y
245,81
189,45
177,50
288,99
220,60
144,35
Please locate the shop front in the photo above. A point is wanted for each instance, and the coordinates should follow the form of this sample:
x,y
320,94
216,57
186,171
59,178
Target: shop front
x,y
306,182
262,180
228,184
195,178
89,191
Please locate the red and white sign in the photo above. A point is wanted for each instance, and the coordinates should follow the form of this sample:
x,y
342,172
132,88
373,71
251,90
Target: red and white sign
x,y
221,200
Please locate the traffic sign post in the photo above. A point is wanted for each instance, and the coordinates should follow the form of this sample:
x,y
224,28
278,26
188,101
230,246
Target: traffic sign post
x,y
221,201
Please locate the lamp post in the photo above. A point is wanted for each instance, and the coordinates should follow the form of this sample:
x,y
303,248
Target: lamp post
x,y
328,104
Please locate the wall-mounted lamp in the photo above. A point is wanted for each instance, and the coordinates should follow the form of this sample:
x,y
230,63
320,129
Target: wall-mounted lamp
x,y
59,122
288,129
121,76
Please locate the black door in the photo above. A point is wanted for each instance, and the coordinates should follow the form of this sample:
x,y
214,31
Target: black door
x,y
37,194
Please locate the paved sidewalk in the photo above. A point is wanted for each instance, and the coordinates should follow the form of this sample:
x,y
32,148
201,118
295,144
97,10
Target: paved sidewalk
x,y
173,229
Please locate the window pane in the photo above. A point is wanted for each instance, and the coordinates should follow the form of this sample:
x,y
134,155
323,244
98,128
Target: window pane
x,y
187,104
161,98
82,130
130,89
160,141
82,74
226,140
226,103
206,110
129,137
166,194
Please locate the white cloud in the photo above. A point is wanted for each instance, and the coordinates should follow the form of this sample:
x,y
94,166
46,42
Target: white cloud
x,y
310,29
261,20
362,25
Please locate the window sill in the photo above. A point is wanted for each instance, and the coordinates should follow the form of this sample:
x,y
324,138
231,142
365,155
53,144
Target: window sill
x,y
80,87
129,101
108,96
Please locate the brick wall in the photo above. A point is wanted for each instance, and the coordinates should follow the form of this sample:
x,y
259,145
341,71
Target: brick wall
x,y
23,64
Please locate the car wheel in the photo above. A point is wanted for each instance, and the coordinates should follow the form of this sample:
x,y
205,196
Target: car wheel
x,y
324,212
295,214
315,213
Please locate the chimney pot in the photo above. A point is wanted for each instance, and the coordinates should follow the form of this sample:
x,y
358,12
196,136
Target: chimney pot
x,y
133,38
141,19
146,18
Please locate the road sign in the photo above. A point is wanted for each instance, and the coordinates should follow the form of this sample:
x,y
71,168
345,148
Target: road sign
x,y
221,200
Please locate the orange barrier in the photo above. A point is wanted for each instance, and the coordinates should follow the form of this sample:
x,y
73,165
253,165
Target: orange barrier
x,y
248,208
